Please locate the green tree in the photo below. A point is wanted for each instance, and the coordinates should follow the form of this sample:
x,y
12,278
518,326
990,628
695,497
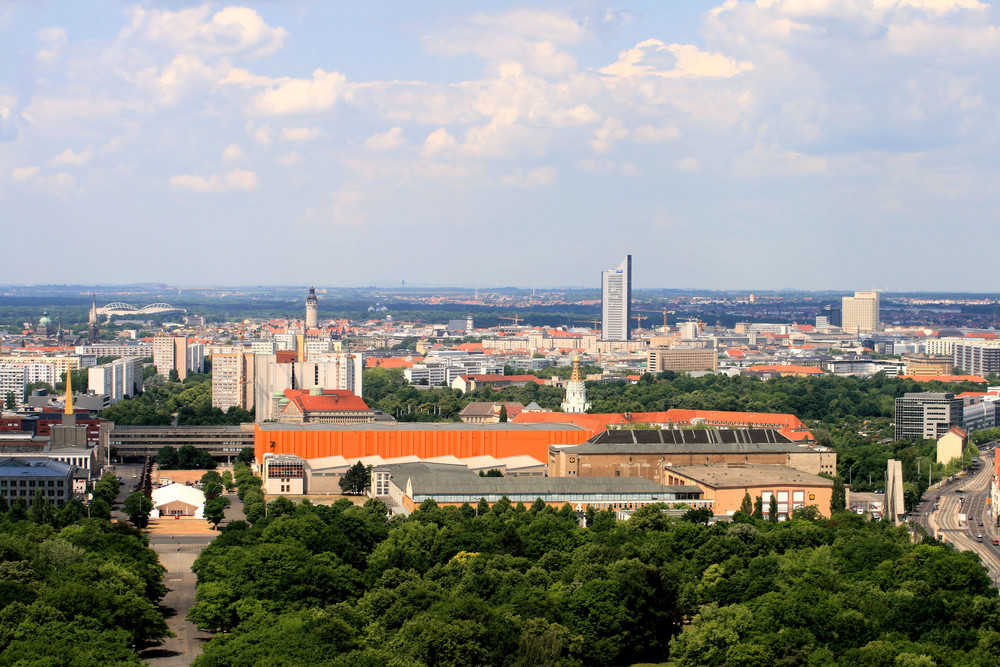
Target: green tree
x,y
215,510
838,499
227,481
10,401
166,458
138,507
747,505
503,413
246,455
772,508
356,479
758,508
173,376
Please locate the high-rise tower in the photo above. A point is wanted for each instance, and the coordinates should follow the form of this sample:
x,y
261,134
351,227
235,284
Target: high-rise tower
x,y
616,301
92,321
312,310
860,313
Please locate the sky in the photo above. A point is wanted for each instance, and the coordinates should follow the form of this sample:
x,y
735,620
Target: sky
x,y
807,144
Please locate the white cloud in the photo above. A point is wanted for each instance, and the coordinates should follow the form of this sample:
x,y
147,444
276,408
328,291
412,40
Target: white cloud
x,y
300,133
231,30
262,135
439,141
55,185
185,76
604,137
386,141
24,173
289,159
650,58
54,38
69,157
302,96
237,179
688,164
531,178
233,153
651,134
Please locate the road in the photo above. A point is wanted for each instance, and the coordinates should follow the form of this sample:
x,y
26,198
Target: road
x,y
947,522
178,548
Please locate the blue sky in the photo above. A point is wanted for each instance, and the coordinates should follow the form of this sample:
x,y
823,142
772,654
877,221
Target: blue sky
x,y
747,145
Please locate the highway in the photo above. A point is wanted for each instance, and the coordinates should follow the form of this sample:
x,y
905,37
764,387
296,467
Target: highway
x,y
967,495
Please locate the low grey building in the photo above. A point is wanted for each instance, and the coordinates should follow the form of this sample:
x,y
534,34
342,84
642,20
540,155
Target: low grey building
x,y
22,476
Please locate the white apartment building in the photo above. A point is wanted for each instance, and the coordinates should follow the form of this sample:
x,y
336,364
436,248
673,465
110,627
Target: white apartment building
x,y
119,379
265,346
117,349
941,346
13,379
233,375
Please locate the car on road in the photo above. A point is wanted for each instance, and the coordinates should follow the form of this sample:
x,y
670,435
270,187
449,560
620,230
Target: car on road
x,y
996,543
980,524
979,537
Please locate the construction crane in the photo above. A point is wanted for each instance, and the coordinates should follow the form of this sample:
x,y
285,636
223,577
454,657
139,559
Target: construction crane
x,y
594,321
664,311
515,319
638,321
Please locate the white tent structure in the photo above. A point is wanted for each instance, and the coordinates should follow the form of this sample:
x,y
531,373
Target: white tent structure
x,y
178,500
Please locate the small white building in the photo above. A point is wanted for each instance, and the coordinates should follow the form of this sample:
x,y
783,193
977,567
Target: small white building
x,y
178,500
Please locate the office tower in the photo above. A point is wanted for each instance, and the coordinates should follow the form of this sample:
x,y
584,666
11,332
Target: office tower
x,y
860,313
927,415
616,301
312,310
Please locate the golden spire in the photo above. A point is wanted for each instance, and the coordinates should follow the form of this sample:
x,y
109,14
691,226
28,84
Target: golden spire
x,y
575,377
69,391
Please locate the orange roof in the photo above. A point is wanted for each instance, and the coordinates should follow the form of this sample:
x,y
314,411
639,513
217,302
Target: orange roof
x,y
332,400
788,368
499,377
735,354
984,334
788,425
391,362
945,378
469,347
972,394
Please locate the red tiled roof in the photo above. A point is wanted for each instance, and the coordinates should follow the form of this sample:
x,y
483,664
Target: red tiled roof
x,y
332,400
391,362
945,378
788,368
983,334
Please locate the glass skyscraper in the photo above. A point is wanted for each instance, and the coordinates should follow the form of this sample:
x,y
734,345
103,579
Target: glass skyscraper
x,y
616,301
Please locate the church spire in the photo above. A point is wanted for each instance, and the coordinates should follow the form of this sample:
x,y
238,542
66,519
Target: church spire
x,y
69,391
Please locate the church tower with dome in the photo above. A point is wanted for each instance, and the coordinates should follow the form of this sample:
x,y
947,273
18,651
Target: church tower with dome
x,y
576,392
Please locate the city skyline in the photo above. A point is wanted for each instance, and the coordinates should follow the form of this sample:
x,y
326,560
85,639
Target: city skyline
x,y
733,145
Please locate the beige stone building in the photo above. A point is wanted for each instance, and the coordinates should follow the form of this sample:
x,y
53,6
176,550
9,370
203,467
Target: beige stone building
x,y
681,359
233,380
727,485
926,364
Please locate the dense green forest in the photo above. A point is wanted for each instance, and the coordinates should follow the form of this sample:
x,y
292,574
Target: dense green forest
x,y
76,590
341,585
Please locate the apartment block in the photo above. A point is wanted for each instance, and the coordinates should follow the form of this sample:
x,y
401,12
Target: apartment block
x,y
977,357
233,376
180,353
119,379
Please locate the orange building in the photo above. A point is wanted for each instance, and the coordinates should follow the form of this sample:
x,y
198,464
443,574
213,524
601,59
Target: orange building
x,y
425,440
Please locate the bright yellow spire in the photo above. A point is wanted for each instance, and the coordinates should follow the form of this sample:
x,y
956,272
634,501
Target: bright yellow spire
x,y
576,376
69,391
